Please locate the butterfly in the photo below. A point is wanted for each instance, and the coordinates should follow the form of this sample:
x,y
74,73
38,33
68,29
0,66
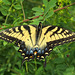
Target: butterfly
x,y
37,41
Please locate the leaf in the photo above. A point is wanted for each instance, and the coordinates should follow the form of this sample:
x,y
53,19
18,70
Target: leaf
x,y
4,12
45,2
5,7
16,20
71,68
58,60
39,71
6,2
38,13
18,6
35,23
70,71
16,48
50,5
48,67
61,66
1,17
6,24
49,14
40,18
5,43
37,9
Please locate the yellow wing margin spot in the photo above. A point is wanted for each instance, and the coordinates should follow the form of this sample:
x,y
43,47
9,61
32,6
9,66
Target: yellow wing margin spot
x,y
20,50
26,58
23,54
42,56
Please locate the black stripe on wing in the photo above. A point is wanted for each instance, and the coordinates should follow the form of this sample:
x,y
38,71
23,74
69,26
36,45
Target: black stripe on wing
x,y
49,29
61,41
10,39
57,30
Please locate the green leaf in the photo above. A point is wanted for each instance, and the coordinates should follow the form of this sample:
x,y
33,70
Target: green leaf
x,y
45,2
50,5
71,68
39,71
58,60
5,7
18,6
38,13
37,9
4,12
16,20
40,18
49,14
1,17
6,2
48,67
6,24
61,66
70,71
5,43
35,23
16,48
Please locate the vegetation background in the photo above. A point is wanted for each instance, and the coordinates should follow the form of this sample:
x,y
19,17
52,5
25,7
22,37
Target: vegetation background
x,y
61,13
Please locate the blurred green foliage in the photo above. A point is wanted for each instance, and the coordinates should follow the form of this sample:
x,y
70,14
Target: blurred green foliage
x,y
61,61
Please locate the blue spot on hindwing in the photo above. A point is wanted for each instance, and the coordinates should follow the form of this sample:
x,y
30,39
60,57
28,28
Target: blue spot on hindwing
x,y
39,51
27,52
42,51
31,52
24,49
46,49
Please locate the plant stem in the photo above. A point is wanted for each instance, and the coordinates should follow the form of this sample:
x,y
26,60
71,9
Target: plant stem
x,y
35,65
26,68
8,14
23,10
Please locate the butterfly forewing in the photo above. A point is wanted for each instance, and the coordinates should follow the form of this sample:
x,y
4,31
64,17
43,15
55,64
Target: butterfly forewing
x,y
56,36
18,34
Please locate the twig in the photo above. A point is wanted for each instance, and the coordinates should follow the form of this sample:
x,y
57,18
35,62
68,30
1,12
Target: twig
x,y
1,28
64,7
31,18
23,10
54,11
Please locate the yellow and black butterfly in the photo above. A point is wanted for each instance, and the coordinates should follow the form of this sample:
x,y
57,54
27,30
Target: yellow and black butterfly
x,y
37,41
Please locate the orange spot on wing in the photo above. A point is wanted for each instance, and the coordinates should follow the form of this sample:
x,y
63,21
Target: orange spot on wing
x,y
38,56
35,53
30,56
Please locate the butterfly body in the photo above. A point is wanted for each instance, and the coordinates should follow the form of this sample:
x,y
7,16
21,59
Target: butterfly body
x,y
37,41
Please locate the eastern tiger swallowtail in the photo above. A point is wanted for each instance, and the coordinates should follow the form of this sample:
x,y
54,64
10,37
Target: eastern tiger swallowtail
x,y
37,41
